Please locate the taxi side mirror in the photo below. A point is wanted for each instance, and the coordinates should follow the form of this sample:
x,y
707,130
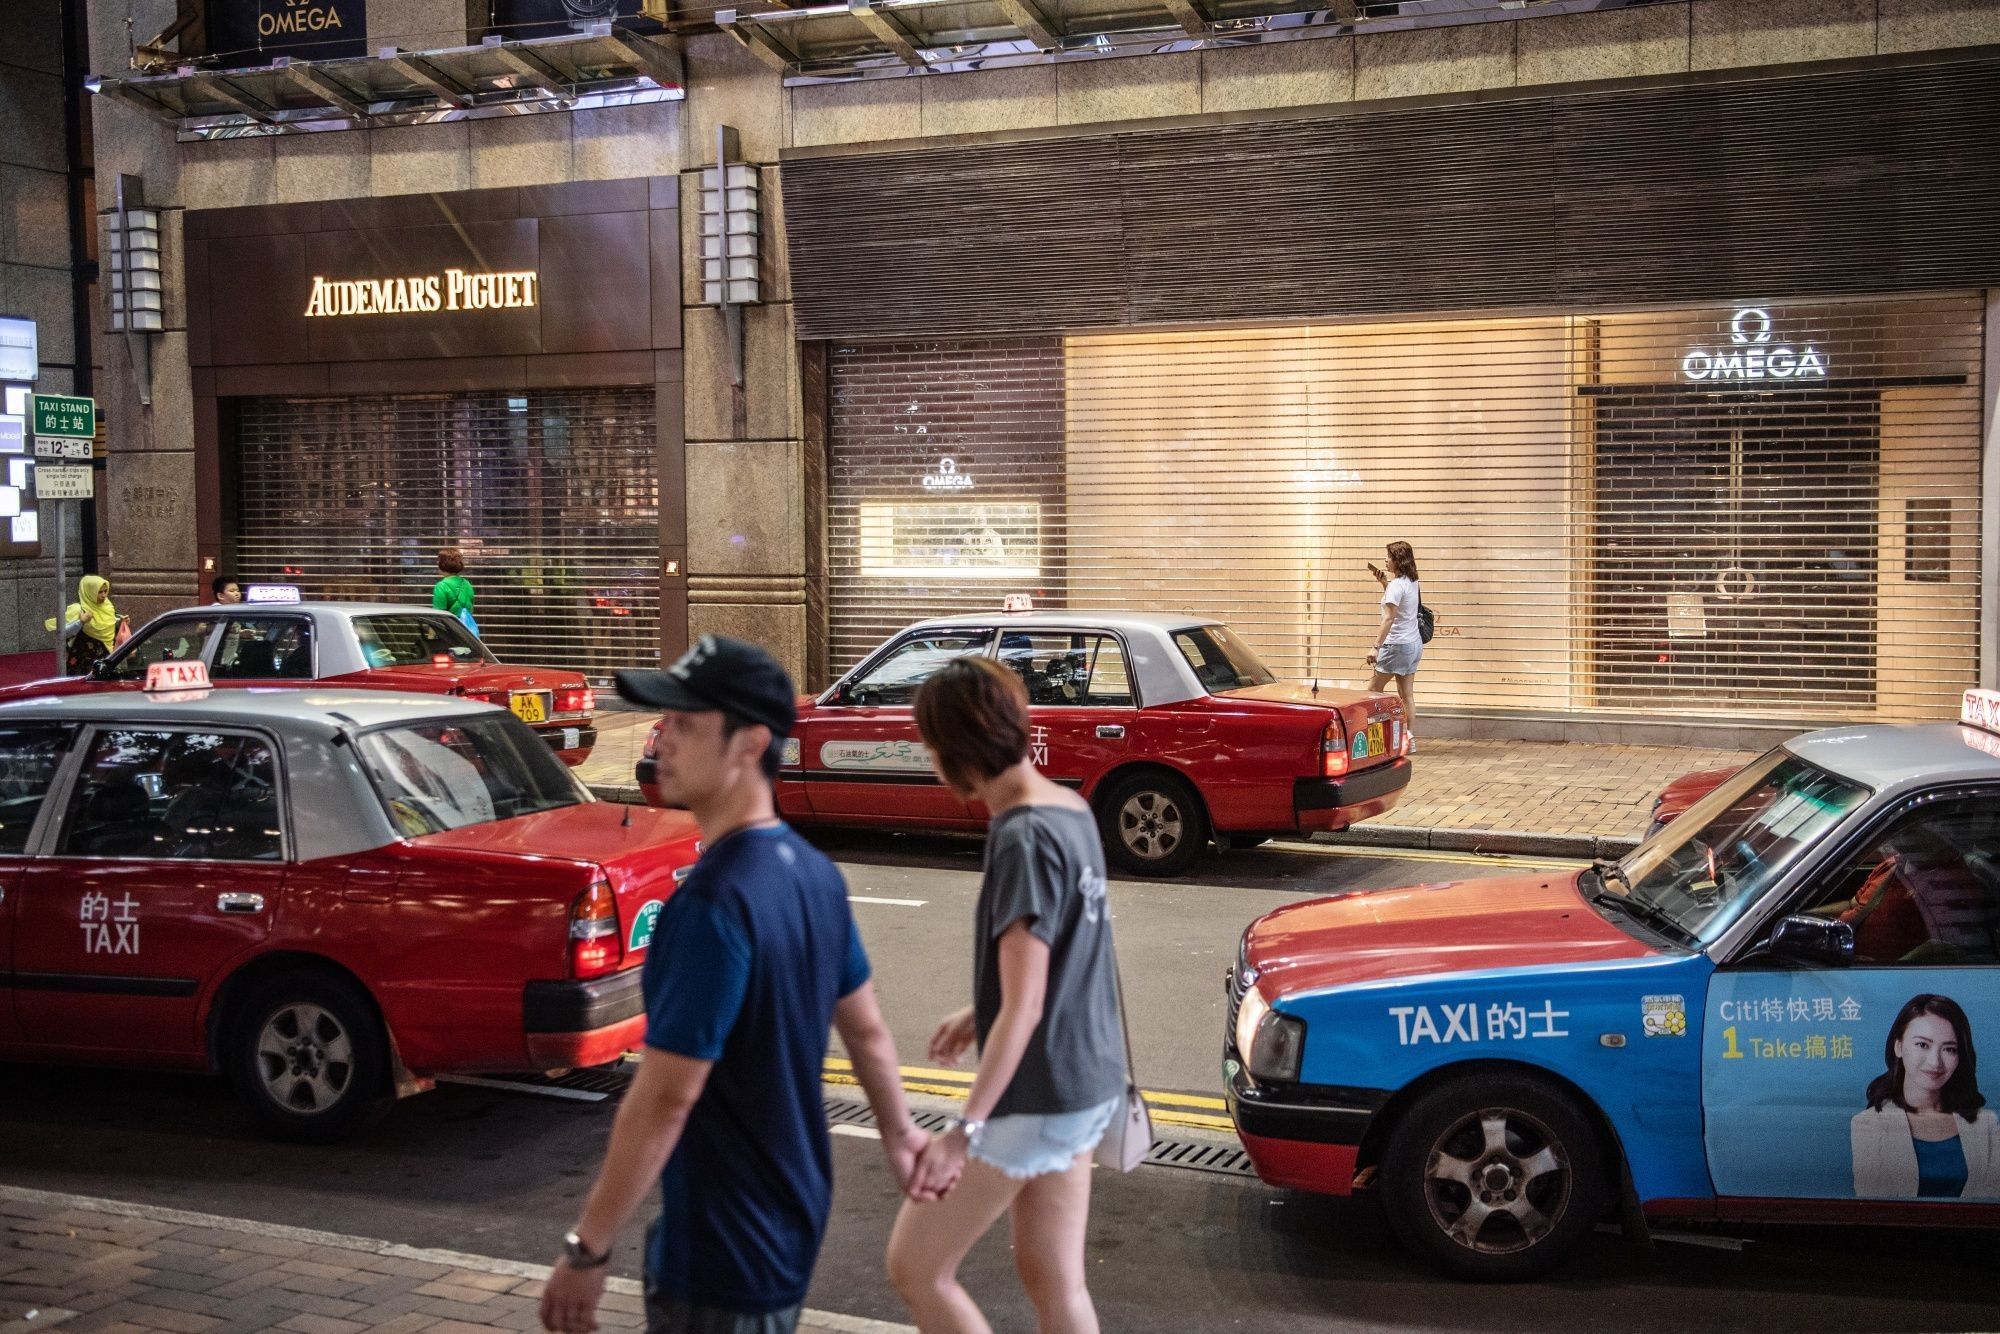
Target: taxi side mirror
x,y
1812,940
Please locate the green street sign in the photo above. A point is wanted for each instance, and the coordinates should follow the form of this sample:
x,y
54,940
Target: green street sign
x,y
64,415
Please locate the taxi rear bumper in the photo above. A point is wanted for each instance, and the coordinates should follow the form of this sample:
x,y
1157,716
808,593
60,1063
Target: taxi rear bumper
x,y
572,1023
1332,804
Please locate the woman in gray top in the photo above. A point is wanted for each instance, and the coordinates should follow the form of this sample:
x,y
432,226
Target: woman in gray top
x,y
1044,1013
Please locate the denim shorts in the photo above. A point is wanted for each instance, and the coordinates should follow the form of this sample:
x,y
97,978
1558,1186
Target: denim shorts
x,y
1033,1145
1399,659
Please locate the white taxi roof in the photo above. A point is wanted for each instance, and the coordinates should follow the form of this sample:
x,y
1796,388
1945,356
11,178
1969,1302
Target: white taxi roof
x,y
1892,756
1123,621
308,712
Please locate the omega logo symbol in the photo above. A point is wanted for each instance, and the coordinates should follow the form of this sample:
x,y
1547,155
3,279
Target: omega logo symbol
x,y
1751,355
947,477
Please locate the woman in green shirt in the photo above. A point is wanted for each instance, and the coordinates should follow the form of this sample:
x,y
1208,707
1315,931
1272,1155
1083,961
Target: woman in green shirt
x,y
453,593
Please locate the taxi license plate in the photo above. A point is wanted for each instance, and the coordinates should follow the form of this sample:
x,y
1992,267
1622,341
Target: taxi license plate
x,y
530,706
1377,739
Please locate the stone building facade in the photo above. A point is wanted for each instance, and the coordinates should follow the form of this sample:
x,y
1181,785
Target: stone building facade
x,y
755,453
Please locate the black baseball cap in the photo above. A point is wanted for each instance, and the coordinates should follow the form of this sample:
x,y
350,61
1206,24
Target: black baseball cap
x,y
719,673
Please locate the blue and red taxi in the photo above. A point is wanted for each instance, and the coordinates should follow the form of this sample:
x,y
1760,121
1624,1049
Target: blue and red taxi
x,y
1170,726
350,645
1766,1011
330,897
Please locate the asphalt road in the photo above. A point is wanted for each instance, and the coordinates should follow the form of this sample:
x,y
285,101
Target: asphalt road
x,y
501,1173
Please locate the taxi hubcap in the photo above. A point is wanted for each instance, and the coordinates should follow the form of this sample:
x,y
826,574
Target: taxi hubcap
x,y
1150,823
305,1057
1497,1181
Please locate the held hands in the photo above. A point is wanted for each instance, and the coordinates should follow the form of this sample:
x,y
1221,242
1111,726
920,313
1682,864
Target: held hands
x,y
954,1037
939,1169
906,1152
569,1300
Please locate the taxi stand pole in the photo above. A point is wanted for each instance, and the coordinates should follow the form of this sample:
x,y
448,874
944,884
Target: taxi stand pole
x,y
1989,528
58,511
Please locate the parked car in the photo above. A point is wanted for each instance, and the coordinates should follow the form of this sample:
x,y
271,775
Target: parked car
x,y
357,645
1747,1017
327,896
1169,725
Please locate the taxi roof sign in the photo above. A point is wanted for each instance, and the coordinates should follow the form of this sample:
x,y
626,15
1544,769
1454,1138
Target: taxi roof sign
x,y
1981,709
1017,602
271,593
176,674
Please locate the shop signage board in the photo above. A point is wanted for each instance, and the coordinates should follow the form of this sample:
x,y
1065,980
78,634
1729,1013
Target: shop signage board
x,y
242,33
11,436
454,289
65,415
20,361
59,447
55,482
1752,355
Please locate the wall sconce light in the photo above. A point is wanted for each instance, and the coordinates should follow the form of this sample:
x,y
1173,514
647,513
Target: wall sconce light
x,y
134,292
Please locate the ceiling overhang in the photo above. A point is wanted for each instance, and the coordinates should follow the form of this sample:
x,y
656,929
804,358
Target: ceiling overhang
x,y
601,66
886,39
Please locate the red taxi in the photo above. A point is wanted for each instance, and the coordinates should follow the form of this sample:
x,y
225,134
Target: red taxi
x,y
1169,725
329,897
353,645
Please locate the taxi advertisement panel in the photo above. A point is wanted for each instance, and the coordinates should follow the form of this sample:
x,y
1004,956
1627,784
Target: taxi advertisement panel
x,y
1851,1084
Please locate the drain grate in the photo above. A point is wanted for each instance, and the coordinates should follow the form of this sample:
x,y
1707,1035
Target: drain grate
x,y
1188,1155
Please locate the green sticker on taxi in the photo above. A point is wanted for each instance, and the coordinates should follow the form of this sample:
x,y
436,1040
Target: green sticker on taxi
x,y
642,925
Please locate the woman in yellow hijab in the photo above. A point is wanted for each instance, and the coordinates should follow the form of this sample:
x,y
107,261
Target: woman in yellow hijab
x,y
96,621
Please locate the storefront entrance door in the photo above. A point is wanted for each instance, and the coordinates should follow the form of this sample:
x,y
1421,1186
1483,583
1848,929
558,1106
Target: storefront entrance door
x,y
1734,551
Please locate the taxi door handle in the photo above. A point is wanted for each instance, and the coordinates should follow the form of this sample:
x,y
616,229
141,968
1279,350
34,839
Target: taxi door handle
x,y
239,903
1110,732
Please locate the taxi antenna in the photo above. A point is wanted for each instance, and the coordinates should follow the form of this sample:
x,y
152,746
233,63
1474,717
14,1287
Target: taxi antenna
x,y
626,823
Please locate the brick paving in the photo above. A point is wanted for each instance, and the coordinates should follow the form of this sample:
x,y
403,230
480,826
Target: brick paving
x,y
1561,788
113,1269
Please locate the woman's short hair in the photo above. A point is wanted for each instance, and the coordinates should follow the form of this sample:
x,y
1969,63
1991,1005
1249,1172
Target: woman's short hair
x,y
1404,559
1960,1093
451,560
973,714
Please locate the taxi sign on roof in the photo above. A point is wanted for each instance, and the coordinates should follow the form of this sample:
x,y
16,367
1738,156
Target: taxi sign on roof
x,y
1017,602
271,593
191,674
1981,709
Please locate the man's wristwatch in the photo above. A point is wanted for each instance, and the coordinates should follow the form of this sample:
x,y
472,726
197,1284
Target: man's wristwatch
x,y
580,1256
971,1129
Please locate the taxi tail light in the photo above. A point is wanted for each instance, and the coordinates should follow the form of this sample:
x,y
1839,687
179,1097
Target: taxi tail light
x,y
1333,750
480,696
576,701
593,932
1278,1049
1403,739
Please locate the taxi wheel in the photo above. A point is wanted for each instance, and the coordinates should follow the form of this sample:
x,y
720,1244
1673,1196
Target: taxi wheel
x,y
1153,824
307,1057
1494,1177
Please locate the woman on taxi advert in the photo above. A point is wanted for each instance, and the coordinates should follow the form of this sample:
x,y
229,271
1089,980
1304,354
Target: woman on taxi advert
x,y
1927,1133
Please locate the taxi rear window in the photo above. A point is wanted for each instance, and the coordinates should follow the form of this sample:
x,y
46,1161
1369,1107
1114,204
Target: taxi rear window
x,y
450,773
29,758
1220,660
414,641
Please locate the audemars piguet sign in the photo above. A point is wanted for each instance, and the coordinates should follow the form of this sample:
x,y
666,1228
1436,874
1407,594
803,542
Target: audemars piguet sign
x,y
252,32
454,289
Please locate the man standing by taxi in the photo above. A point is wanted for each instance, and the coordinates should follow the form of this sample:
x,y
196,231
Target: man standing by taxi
x,y
751,960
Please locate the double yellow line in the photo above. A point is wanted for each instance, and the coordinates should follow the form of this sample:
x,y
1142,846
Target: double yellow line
x,y
1171,1109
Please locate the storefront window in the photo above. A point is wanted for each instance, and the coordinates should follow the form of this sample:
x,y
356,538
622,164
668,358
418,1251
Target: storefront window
x,y
926,539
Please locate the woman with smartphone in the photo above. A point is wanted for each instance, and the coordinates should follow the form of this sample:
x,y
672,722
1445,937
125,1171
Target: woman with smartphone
x,y
1399,645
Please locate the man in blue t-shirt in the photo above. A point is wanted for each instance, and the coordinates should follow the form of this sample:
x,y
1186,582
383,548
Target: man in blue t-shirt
x,y
751,960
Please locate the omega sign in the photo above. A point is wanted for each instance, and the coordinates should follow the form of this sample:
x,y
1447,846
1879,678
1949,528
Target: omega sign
x,y
1752,356
454,289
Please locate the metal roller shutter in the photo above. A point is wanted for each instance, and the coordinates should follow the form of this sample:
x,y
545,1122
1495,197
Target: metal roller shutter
x,y
553,495
1716,510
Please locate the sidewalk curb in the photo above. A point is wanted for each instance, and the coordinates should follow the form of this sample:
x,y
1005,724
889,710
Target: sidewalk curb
x,y
1513,842
479,1264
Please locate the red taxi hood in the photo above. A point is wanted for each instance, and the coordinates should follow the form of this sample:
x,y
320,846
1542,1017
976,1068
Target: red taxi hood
x,y
62,685
1512,921
639,857
1686,790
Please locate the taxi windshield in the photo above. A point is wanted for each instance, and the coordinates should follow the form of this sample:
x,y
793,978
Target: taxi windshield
x,y
1705,869
450,773
414,641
